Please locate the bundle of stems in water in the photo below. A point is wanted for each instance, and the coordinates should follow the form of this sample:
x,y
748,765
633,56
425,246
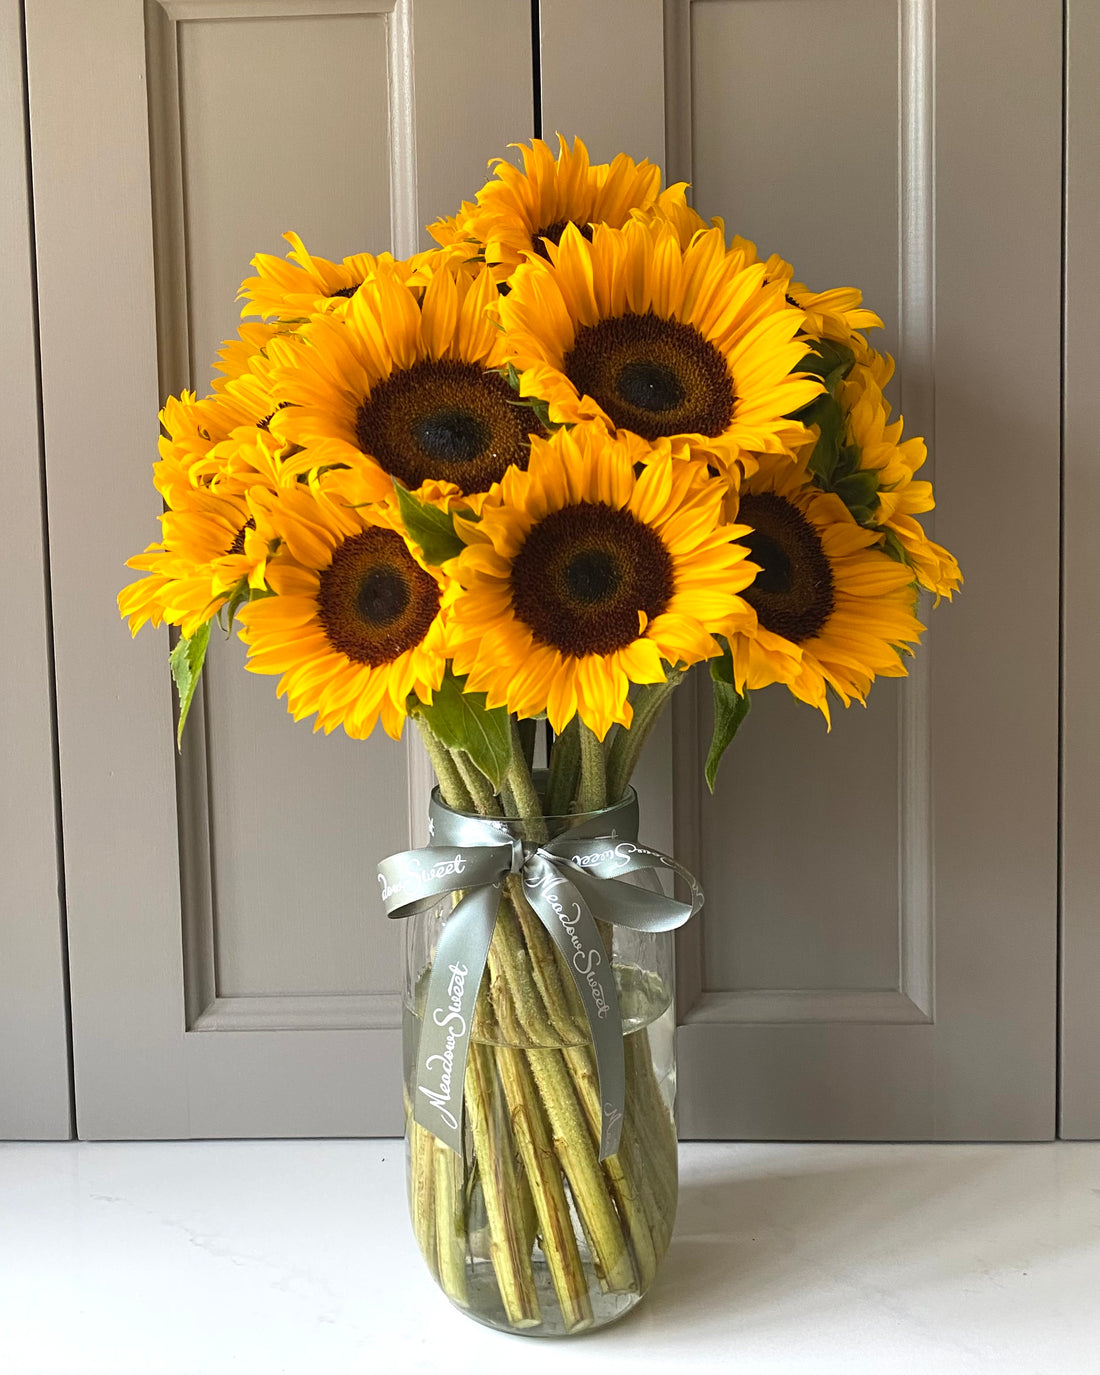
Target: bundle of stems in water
x,y
532,1177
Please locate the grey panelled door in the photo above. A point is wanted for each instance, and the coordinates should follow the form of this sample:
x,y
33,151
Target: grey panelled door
x,y
1080,1101
877,959
877,955
34,1050
231,972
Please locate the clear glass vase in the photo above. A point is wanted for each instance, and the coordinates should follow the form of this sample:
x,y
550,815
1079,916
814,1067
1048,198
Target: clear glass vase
x,y
528,1231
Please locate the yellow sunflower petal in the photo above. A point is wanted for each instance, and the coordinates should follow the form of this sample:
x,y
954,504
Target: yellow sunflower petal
x,y
575,582
609,330
356,620
831,607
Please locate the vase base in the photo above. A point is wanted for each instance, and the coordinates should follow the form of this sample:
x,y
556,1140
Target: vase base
x,y
484,1305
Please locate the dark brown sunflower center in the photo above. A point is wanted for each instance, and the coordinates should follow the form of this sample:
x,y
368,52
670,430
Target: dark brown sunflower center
x,y
553,232
653,376
383,596
793,592
649,386
237,547
448,420
375,601
265,423
345,291
451,436
583,575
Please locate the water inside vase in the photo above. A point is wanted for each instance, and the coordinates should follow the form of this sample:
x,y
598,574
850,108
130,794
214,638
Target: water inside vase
x,y
528,1231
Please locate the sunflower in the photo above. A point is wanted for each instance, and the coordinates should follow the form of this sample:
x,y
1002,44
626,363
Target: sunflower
x,y
406,385
237,356
213,452
518,212
293,291
246,390
450,231
828,607
212,541
837,314
683,219
688,344
191,427
603,561
356,624
226,438
892,461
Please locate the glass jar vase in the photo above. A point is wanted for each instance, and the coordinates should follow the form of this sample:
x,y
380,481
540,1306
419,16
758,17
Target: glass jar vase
x,y
528,1230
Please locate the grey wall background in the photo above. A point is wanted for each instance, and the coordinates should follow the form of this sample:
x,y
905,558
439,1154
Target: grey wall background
x,y
879,956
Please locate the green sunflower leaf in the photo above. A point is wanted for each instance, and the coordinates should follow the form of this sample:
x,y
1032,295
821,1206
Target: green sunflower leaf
x,y
542,412
830,361
237,599
893,546
186,662
430,529
858,491
825,459
462,721
730,709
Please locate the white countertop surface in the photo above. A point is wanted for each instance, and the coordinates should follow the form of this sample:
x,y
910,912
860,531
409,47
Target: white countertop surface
x,y
295,1257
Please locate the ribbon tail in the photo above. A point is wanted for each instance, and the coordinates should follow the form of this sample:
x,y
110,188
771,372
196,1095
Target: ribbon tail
x,y
565,914
597,867
625,904
448,1018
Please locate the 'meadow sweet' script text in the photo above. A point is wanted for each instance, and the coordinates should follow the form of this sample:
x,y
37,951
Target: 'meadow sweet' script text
x,y
449,1016
586,960
416,878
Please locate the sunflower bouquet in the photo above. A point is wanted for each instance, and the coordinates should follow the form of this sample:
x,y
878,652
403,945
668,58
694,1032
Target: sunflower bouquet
x,y
516,488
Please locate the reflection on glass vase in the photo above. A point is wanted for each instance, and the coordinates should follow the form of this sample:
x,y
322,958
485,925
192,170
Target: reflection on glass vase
x,y
528,1231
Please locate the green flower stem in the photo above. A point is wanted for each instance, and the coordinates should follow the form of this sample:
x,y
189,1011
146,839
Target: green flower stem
x,y
576,1151
503,1200
478,786
592,796
422,1189
649,1121
450,1223
627,746
438,1206
529,1225
555,1227
565,1012
656,1219
523,1020
625,1174
524,736
521,786
621,1170
534,1112
565,767
563,1006
516,1000
592,793
451,787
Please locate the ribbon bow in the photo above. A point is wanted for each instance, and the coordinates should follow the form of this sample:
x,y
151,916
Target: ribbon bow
x,y
565,881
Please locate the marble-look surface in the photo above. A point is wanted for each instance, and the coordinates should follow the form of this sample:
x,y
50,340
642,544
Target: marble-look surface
x,y
280,1257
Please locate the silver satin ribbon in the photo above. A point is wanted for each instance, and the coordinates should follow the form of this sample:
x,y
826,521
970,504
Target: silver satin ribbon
x,y
566,880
